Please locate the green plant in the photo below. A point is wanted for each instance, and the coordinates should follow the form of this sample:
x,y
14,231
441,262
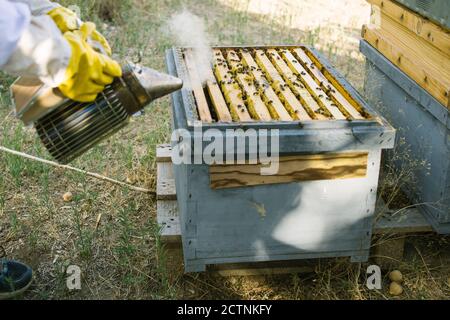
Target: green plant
x,y
85,236
2,193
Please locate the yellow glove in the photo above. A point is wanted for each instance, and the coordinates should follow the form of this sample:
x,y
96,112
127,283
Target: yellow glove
x,y
67,20
89,71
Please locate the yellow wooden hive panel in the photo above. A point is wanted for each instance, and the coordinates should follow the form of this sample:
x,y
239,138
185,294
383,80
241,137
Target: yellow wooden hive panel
x,y
419,47
273,84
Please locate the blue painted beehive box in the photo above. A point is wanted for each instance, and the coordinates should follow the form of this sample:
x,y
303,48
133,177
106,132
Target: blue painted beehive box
x,y
320,202
424,125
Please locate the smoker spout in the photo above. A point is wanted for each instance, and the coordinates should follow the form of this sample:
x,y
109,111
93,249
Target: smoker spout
x,y
155,83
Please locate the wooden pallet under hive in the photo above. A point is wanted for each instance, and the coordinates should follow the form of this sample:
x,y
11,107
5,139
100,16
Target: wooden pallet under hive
x,y
268,84
320,203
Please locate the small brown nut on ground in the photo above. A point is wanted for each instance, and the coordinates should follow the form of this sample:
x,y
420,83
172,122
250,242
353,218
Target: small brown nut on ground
x,y
395,289
396,276
68,196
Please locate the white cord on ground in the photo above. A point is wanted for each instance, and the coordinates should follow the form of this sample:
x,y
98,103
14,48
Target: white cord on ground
x,y
63,166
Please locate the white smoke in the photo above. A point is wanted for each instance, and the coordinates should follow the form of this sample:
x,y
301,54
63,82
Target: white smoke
x,y
188,30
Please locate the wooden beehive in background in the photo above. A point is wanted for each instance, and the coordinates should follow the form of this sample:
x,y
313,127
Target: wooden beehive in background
x,y
321,201
408,79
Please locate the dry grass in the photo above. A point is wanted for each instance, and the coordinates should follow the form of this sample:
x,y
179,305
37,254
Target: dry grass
x,y
122,258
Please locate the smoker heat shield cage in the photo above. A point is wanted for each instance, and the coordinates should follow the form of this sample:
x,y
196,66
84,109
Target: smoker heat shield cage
x,y
322,200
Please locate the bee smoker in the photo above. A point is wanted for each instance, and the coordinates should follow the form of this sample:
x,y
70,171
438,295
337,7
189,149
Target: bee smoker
x,y
68,128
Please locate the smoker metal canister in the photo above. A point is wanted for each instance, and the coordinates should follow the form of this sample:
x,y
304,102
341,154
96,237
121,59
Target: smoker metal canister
x,y
73,128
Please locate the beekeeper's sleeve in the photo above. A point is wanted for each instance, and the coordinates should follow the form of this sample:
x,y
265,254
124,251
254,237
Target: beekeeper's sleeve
x,y
31,45
38,7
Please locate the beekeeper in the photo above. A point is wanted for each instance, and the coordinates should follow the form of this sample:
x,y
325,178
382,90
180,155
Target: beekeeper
x,y
41,39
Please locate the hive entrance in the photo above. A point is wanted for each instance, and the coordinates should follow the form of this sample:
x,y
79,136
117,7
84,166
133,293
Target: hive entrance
x,y
269,84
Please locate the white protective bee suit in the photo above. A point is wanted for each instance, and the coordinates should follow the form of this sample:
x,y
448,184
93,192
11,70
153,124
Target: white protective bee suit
x,y
30,42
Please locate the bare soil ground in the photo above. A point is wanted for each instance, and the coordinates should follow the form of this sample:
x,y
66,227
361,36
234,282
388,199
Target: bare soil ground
x,y
121,257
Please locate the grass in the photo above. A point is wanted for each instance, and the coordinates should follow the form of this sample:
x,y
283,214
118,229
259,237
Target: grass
x,y
121,256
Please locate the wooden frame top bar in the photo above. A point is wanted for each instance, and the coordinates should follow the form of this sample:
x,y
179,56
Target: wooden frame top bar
x,y
269,84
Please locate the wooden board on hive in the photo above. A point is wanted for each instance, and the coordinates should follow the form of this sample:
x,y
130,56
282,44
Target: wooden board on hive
x,y
291,169
255,104
422,27
218,101
232,94
296,106
420,48
197,88
326,85
301,80
427,79
273,102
